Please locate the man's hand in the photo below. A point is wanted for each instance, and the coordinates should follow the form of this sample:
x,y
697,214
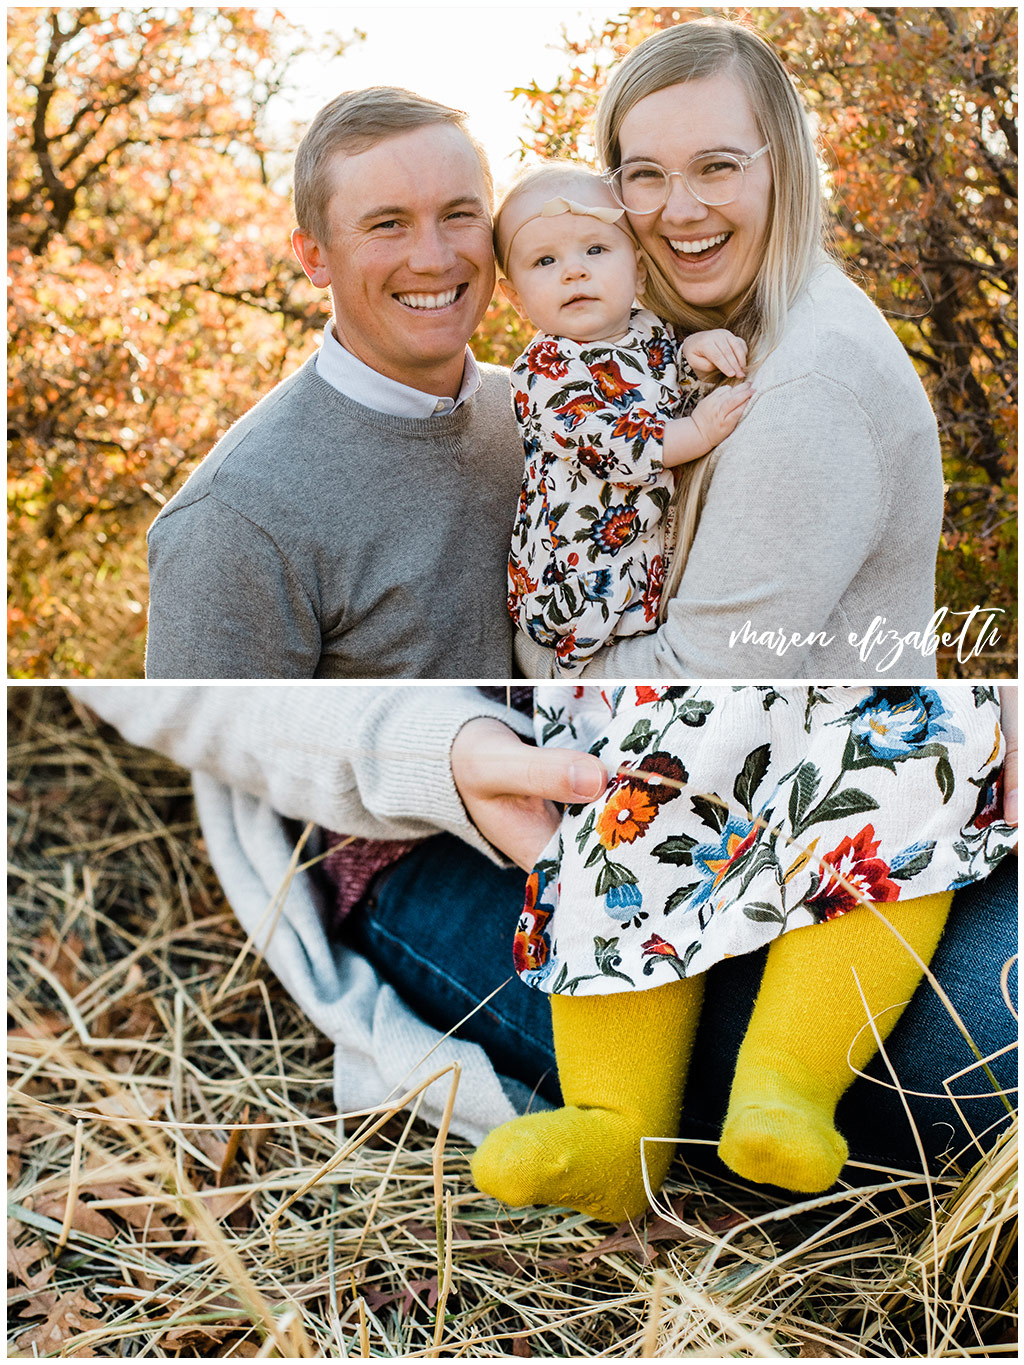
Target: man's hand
x,y
508,787
719,350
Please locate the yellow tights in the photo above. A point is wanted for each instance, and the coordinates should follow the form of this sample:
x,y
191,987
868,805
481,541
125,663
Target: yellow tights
x,y
622,1062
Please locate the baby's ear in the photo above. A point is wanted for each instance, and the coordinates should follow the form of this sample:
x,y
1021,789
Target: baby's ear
x,y
512,294
641,273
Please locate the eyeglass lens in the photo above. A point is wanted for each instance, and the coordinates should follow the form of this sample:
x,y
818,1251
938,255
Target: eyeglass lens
x,y
713,179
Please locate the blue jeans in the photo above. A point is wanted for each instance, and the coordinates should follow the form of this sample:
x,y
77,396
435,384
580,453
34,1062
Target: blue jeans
x,y
438,926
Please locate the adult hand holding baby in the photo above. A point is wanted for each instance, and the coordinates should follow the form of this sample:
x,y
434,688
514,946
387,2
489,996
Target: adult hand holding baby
x,y
509,787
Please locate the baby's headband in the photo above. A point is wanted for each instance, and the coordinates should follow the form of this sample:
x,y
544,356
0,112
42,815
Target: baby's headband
x,y
558,205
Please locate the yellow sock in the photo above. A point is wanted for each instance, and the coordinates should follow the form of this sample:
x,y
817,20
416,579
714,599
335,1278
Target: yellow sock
x,y
799,1053
622,1063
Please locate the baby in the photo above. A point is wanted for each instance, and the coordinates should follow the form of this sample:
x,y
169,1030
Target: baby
x,y
597,396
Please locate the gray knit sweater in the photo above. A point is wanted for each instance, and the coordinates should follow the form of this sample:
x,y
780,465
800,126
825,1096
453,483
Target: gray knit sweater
x,y
322,539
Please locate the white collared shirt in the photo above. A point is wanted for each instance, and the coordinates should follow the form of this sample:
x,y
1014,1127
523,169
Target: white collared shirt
x,y
341,369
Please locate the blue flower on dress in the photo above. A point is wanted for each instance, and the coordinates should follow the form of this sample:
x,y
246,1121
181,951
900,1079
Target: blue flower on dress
x,y
597,585
712,860
897,722
622,902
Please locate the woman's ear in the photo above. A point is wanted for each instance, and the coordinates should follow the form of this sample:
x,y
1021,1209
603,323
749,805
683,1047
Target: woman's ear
x,y
512,294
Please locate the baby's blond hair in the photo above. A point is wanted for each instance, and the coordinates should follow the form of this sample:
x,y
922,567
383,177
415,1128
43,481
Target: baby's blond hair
x,y
554,177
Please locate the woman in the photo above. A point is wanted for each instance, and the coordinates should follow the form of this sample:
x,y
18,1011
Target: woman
x,y
820,514
445,767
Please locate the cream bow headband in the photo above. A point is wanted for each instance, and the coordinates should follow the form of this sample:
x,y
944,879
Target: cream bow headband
x,y
558,205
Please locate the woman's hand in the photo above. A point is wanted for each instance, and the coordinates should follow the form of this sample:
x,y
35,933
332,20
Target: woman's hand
x,y
508,786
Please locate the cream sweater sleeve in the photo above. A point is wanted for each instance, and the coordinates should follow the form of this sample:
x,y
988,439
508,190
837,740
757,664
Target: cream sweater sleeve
x,y
792,511
371,761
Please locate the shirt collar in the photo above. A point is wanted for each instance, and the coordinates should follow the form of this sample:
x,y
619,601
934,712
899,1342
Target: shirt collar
x,y
345,372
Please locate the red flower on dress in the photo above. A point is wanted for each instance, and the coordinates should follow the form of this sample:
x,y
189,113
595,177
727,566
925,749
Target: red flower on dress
x,y
529,946
640,423
655,584
656,946
866,876
522,404
577,409
615,528
545,358
611,385
645,695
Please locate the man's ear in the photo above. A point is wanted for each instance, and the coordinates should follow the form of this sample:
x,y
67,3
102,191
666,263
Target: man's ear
x,y
512,294
312,258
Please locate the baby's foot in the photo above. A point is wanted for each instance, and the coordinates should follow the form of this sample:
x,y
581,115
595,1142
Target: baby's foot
x,y
585,1159
785,1141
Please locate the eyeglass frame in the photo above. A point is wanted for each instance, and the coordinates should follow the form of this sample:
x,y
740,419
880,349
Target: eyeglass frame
x,y
742,161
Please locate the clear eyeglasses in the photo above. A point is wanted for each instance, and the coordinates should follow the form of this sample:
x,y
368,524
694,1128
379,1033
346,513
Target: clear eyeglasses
x,y
714,178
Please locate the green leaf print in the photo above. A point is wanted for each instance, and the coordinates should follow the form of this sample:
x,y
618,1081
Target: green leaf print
x,y
612,875
609,959
694,711
764,913
585,830
712,813
802,793
838,807
755,765
638,738
944,777
681,894
677,850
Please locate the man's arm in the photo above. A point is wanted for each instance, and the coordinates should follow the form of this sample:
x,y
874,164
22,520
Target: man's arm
x,y
223,601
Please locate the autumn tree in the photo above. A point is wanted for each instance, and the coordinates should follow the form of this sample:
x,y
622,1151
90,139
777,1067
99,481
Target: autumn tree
x,y
916,110
152,297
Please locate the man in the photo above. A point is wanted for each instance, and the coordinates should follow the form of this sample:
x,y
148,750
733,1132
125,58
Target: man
x,y
356,522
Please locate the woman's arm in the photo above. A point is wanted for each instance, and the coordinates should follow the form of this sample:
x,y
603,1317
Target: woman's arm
x,y
791,513
382,762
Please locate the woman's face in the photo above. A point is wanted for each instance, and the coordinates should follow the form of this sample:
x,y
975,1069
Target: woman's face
x,y
710,254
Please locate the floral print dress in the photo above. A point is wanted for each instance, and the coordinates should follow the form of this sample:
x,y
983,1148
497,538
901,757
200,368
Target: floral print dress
x,y
735,814
588,546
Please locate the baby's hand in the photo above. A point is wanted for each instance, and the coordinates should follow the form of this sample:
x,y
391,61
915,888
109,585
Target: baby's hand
x,y
718,414
719,350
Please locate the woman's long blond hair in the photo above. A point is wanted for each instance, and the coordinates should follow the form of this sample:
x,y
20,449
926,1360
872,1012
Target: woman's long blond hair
x,y
693,50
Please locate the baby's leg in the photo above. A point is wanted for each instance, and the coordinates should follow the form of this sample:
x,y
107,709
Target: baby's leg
x,y
622,1063
808,1033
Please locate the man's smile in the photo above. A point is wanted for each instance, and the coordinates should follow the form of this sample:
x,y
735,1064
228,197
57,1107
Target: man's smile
x,y
432,302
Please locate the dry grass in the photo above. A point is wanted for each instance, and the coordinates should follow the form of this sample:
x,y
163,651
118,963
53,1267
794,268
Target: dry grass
x,y
171,1155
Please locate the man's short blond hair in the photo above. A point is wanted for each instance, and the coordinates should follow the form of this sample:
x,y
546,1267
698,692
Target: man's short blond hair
x,y
552,179
353,122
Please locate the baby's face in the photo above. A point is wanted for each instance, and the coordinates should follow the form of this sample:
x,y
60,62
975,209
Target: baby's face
x,y
574,276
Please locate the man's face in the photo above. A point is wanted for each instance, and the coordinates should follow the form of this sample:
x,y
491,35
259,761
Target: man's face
x,y
409,262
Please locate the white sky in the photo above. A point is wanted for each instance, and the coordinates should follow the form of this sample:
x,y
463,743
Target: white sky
x,y
468,56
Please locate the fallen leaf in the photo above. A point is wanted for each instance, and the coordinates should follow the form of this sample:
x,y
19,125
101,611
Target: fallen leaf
x,y
84,1218
521,1347
22,1257
376,1299
67,1315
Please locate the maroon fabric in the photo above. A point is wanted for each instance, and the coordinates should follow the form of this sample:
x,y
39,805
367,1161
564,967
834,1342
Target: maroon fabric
x,y
352,864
